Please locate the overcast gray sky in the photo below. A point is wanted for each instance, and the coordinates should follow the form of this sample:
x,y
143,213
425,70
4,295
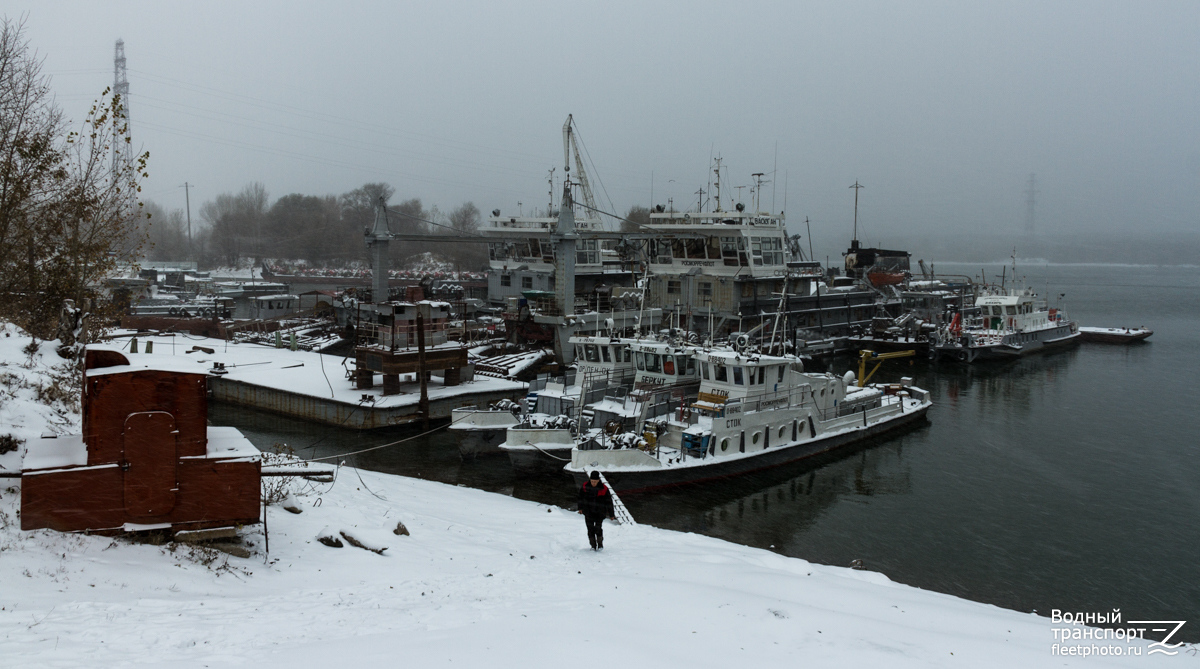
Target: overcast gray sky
x,y
941,109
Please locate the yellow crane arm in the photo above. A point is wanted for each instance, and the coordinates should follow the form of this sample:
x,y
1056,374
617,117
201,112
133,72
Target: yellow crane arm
x,y
878,358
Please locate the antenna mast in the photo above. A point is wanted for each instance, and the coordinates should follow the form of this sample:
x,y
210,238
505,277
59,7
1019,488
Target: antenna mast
x,y
717,183
856,188
758,182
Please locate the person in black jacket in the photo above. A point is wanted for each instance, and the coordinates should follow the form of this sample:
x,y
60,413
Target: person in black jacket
x,y
595,503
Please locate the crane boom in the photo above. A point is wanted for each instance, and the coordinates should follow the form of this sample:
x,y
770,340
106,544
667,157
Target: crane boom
x,y
571,144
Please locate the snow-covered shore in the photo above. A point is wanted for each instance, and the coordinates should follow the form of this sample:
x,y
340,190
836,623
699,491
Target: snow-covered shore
x,y
482,579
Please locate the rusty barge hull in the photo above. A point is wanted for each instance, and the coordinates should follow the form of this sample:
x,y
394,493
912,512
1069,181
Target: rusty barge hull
x,y
357,416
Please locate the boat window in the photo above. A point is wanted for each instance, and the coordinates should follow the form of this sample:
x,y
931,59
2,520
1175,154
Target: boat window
x,y
592,355
725,444
720,373
696,249
627,354
653,362
780,379
641,362
704,370
668,365
1011,310
737,376
756,437
690,366
604,354
761,373
997,311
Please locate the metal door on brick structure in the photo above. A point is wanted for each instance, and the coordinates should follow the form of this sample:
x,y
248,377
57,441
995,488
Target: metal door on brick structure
x,y
149,463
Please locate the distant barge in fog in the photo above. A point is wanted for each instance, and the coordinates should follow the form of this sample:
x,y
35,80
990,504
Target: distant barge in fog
x,y
1114,335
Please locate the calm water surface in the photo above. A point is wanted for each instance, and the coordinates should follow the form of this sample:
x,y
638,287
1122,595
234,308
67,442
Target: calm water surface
x,y
1069,480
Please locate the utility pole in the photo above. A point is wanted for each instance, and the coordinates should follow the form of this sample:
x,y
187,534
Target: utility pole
x,y
188,200
856,187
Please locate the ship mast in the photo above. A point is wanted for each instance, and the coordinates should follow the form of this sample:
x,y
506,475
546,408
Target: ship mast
x,y
854,241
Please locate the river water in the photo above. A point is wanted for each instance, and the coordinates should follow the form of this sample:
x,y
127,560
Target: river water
x,y
1064,481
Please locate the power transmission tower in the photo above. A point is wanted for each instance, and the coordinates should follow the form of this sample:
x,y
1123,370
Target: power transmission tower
x,y
122,151
1030,201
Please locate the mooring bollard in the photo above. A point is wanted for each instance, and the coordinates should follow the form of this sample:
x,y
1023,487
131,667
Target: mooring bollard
x,y
278,340
133,345
292,344
149,346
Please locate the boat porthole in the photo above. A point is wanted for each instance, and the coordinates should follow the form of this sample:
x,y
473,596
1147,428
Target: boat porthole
x,y
756,437
725,444
802,426
781,432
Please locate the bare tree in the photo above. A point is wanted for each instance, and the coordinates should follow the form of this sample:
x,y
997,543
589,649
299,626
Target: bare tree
x,y
68,211
236,223
636,217
167,234
465,220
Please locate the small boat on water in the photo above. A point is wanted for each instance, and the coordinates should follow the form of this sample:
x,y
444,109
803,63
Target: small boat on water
x,y
1011,323
540,443
752,412
480,431
1114,335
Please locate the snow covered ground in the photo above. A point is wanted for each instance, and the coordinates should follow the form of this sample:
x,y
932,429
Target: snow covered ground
x,y
483,579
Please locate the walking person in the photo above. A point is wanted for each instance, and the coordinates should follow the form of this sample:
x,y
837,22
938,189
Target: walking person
x,y
595,503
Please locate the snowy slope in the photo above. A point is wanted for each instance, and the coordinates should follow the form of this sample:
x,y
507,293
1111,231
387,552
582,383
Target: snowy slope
x,y
482,579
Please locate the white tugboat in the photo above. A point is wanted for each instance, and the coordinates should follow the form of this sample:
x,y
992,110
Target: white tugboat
x,y
753,412
1011,323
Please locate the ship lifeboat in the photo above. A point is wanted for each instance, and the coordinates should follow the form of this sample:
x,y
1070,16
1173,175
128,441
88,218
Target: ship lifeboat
x,y
879,278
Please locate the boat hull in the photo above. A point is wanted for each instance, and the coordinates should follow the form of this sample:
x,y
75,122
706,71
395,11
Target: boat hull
x,y
475,443
537,450
532,462
1064,338
1113,335
632,481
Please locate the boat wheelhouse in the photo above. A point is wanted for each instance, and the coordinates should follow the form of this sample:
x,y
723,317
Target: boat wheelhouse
x,y
603,354
662,363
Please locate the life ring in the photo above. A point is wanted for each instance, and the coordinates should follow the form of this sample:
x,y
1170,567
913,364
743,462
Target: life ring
x,y
962,356
174,311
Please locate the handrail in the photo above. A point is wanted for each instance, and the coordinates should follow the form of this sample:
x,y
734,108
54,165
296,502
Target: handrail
x,y
622,514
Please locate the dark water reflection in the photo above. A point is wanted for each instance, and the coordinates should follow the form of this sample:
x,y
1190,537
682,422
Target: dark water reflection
x,y
1069,480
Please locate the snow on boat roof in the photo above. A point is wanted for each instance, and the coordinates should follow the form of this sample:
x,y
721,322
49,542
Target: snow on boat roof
x,y
751,359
